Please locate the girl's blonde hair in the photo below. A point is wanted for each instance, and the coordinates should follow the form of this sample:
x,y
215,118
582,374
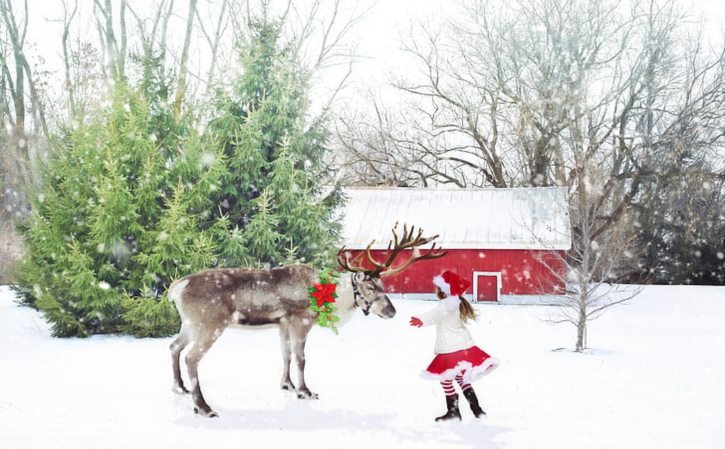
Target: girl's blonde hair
x,y
466,310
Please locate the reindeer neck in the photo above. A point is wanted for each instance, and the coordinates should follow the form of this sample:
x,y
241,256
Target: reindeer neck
x,y
345,299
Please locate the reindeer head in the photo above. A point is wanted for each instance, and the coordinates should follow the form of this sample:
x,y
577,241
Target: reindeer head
x,y
367,286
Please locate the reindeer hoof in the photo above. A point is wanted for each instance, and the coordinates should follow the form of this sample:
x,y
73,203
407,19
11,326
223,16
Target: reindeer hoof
x,y
180,389
307,394
288,386
206,413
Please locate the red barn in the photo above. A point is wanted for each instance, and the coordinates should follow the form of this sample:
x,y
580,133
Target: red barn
x,y
509,242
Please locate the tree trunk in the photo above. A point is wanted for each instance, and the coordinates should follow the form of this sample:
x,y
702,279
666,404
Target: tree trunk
x,y
214,44
73,109
584,250
181,88
581,331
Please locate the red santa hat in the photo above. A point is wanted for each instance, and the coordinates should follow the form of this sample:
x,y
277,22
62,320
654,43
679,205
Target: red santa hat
x,y
451,284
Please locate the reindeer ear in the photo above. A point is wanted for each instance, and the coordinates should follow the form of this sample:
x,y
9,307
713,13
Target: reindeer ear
x,y
358,276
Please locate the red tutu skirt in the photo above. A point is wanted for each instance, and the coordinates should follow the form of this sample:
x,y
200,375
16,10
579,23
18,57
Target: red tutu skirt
x,y
472,363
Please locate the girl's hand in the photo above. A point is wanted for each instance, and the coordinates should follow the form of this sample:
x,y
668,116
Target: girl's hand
x,y
416,322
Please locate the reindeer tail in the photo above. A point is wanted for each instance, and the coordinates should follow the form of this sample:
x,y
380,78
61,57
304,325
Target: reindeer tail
x,y
176,289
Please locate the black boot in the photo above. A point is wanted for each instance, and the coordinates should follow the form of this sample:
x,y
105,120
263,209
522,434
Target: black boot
x,y
453,412
473,400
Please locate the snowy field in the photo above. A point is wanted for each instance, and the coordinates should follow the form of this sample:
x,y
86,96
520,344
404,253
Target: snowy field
x,y
655,378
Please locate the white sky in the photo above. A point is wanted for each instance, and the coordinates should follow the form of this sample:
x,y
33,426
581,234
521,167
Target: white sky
x,y
377,38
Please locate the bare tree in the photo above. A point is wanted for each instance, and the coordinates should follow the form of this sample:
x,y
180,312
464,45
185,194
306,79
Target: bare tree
x,y
320,34
463,108
183,69
114,46
385,151
153,37
18,84
84,79
23,71
613,147
500,86
214,41
23,122
68,16
589,268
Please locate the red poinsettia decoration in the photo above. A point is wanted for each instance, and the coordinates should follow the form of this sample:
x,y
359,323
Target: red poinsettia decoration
x,y
324,293
322,299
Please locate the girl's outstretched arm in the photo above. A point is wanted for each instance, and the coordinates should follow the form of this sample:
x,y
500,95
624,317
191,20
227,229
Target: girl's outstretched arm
x,y
428,318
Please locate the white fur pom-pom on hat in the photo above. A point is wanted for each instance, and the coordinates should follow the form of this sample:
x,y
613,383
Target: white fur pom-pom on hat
x,y
451,284
440,283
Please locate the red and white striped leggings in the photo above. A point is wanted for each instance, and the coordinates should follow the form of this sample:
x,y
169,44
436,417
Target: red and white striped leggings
x,y
448,385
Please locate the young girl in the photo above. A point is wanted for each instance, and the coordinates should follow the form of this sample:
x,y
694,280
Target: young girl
x,y
457,357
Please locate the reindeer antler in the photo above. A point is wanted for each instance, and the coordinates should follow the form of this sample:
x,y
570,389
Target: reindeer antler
x,y
345,263
408,240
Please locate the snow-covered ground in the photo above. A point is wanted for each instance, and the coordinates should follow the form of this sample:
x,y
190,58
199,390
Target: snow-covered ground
x,y
655,378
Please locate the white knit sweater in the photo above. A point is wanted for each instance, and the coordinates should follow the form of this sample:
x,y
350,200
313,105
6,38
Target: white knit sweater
x,y
451,333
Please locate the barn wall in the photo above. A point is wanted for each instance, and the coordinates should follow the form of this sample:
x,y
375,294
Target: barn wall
x,y
523,272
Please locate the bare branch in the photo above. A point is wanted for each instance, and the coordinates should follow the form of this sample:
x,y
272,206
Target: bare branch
x,y
183,71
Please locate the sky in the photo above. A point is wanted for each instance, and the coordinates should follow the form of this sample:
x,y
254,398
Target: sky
x,y
377,38
380,37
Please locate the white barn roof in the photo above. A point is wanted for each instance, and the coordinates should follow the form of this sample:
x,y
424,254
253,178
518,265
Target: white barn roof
x,y
526,218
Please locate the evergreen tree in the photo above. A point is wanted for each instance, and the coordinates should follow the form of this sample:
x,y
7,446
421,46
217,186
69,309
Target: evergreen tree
x,y
683,231
136,198
680,223
272,207
116,219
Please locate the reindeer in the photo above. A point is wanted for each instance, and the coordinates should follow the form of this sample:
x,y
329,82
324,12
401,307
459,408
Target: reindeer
x,y
212,300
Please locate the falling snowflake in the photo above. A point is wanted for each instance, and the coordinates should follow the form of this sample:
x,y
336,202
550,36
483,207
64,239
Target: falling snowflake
x,y
120,250
207,159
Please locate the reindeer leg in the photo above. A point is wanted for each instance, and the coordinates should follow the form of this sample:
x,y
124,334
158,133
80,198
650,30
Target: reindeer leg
x,y
300,329
193,357
178,345
284,335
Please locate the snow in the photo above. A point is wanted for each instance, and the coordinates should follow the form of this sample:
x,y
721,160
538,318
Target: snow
x,y
520,218
652,380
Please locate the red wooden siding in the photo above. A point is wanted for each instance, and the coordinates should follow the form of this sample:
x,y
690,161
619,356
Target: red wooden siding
x,y
522,271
